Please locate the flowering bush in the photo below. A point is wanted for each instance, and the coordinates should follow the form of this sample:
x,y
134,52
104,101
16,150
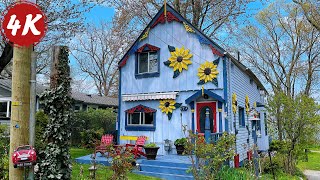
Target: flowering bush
x,y
208,158
122,163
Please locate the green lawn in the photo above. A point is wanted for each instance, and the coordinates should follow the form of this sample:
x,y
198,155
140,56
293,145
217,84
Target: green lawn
x,y
313,162
279,177
78,152
102,173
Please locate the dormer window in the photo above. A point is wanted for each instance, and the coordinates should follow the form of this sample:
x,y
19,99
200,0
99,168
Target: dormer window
x,y
148,61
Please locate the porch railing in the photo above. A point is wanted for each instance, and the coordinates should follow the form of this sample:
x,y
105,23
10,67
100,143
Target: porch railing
x,y
214,137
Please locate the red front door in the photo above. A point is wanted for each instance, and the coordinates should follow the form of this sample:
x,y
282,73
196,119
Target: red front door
x,y
201,116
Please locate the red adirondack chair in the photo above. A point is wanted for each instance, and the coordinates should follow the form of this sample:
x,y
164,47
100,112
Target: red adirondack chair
x,y
106,140
138,147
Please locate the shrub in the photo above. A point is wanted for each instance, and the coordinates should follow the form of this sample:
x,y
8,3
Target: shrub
x,y
90,137
210,157
276,166
151,145
4,167
121,163
4,152
180,142
41,123
90,121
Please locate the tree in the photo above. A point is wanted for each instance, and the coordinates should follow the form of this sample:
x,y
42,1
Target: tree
x,y
301,122
98,51
207,15
283,48
311,9
57,105
64,17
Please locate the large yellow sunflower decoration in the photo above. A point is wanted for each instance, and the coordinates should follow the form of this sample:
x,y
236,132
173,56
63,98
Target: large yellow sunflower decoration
x,y
247,103
208,72
179,60
168,105
234,103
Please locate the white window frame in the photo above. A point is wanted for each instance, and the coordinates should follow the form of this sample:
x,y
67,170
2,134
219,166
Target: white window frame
x,y
141,120
148,62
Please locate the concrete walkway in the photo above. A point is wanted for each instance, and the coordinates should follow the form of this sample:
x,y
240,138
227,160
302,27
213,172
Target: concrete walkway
x,y
311,174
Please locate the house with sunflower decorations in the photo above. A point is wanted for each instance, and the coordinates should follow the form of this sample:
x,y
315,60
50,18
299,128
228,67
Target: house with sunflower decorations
x,y
173,75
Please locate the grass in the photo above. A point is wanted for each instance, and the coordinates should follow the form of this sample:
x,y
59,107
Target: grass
x,y
312,164
103,172
78,152
279,176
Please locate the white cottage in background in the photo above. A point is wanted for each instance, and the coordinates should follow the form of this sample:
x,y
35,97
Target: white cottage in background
x,y
172,74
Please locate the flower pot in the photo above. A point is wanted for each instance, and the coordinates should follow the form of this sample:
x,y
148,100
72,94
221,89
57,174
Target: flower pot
x,y
180,149
151,152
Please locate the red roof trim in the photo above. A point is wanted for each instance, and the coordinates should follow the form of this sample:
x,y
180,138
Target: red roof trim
x,y
140,108
152,48
162,19
215,51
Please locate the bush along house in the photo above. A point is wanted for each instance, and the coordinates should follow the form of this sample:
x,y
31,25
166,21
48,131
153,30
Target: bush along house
x,y
173,74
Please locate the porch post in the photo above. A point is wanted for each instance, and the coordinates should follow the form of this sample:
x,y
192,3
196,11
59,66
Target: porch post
x,y
192,116
207,130
8,109
220,115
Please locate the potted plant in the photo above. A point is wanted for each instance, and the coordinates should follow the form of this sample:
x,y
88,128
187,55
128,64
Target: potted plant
x,y
180,144
151,151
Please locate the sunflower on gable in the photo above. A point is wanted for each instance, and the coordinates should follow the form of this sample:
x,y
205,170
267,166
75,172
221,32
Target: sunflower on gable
x,y
208,72
168,105
179,60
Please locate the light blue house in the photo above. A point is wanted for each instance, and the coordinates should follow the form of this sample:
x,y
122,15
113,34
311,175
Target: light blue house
x,y
172,74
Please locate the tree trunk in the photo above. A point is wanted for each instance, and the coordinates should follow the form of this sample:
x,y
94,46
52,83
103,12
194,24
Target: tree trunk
x,y
19,128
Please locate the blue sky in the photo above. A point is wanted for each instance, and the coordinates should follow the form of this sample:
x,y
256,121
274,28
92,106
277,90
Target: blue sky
x,y
100,13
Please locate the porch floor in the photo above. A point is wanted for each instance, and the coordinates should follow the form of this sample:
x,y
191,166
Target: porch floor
x,y
172,158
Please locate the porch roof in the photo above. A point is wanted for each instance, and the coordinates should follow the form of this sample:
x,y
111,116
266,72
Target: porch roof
x,y
205,91
149,96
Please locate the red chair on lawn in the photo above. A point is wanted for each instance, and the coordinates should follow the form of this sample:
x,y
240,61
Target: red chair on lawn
x,y
106,140
137,149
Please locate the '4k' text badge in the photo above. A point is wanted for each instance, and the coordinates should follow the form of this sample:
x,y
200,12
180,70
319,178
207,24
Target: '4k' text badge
x,y
23,24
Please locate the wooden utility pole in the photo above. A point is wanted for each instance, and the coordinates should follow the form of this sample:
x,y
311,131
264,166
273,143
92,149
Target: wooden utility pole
x,y
20,108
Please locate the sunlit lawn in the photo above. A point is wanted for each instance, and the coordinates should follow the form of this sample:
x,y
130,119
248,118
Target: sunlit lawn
x,y
103,172
313,162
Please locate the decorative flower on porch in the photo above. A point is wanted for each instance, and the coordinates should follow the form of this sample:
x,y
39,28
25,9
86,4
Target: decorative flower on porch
x,y
208,72
179,60
234,103
168,105
247,103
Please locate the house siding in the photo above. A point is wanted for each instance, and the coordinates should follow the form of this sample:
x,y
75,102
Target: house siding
x,y
175,35
240,84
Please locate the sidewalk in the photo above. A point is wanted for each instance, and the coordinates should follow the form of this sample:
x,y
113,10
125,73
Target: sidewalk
x,y
312,175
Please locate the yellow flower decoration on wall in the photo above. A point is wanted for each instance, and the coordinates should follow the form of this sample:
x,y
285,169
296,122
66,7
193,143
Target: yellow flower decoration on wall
x,y
234,103
179,60
168,105
247,103
208,72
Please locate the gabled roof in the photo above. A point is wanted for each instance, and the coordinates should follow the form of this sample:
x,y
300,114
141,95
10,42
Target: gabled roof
x,y
77,96
173,15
